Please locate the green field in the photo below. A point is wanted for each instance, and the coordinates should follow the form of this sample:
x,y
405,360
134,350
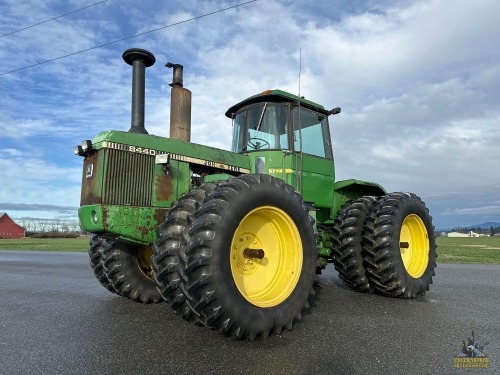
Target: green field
x,y
46,244
483,250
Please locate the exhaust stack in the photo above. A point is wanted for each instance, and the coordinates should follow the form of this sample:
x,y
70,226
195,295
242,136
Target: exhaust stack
x,y
140,59
180,106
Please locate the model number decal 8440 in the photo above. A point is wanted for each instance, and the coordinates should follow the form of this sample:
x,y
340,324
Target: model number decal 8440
x,y
146,151
183,158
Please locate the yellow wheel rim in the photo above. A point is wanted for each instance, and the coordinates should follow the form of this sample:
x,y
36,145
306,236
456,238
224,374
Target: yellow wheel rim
x,y
414,245
144,254
266,256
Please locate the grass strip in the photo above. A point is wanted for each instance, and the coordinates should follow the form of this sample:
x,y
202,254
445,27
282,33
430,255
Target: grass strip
x,y
481,250
46,244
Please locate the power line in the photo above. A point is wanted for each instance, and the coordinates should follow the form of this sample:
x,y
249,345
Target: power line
x,y
128,37
52,19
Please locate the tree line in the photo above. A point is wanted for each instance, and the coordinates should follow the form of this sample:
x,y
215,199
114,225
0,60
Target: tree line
x,y
33,225
489,231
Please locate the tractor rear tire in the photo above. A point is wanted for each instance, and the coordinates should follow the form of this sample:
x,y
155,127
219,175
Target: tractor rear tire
x,y
250,263
400,255
348,253
129,270
97,247
171,238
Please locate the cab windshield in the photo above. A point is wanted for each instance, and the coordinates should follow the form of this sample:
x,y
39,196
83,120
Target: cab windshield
x,y
272,126
261,126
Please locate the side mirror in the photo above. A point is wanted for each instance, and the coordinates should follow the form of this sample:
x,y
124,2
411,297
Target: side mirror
x,y
334,111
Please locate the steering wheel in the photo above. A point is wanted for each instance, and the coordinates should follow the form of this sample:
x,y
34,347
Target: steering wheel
x,y
256,145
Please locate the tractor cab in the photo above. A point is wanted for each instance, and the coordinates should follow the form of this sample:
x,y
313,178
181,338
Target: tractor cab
x,y
277,120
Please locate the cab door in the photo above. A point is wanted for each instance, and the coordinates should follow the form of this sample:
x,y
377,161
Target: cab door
x,y
312,156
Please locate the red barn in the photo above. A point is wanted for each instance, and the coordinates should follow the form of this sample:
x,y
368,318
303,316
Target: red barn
x,y
8,228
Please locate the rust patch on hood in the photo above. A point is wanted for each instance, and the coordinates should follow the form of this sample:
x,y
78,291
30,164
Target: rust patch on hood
x,y
164,187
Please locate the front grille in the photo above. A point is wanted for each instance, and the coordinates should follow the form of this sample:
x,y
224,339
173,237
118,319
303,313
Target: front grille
x,y
128,178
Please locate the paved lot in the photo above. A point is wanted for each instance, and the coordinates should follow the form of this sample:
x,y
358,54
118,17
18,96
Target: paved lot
x,y
56,319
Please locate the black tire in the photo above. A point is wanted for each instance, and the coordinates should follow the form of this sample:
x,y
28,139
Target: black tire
x,y
171,238
348,253
97,247
209,259
127,268
388,241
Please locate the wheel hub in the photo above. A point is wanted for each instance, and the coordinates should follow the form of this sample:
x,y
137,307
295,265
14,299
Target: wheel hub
x,y
253,253
245,244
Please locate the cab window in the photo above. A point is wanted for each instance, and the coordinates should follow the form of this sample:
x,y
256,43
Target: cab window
x,y
311,134
260,127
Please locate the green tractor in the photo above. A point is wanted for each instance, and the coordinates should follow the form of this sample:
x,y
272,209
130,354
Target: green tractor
x,y
234,240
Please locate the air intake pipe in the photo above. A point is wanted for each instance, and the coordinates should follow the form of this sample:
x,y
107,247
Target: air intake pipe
x,y
140,59
180,106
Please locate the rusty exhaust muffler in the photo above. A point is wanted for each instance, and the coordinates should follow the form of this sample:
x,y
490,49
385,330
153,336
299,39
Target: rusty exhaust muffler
x,y
180,106
140,59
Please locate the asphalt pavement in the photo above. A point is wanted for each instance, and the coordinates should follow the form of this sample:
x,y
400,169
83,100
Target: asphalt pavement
x,y
55,318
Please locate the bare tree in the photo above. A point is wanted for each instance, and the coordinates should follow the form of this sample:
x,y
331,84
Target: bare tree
x,y
43,225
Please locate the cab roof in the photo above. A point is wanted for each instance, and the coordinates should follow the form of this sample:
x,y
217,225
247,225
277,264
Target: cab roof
x,y
276,96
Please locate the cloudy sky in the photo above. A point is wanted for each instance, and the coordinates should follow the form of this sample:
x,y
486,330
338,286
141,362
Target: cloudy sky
x,y
418,83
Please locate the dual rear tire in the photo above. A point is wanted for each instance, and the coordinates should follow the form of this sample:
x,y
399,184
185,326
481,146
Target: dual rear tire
x,y
386,245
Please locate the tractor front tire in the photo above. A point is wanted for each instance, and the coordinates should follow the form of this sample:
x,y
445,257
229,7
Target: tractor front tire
x,y
129,270
400,247
171,238
348,252
251,258
98,246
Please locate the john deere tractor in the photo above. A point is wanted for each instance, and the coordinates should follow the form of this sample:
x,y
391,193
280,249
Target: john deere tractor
x,y
234,240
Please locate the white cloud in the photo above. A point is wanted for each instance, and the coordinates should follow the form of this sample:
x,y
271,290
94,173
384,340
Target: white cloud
x,y
32,180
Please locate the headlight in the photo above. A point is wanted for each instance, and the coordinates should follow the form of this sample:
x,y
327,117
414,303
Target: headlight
x,y
84,148
78,150
86,145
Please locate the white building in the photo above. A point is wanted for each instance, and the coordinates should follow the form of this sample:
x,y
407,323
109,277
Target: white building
x,y
470,234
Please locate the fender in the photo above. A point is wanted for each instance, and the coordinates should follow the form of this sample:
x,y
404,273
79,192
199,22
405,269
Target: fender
x,y
348,190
